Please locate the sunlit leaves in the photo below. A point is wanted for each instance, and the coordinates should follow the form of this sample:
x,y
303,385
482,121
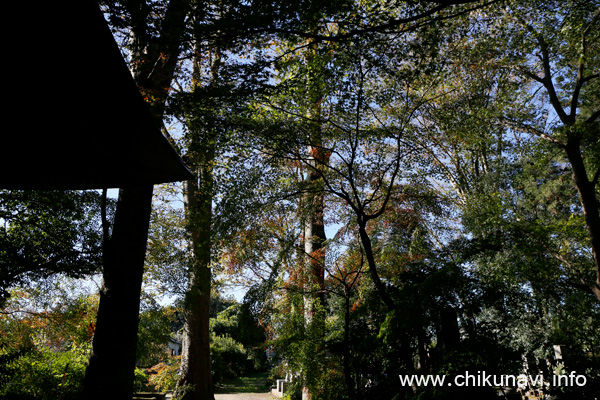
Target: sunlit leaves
x,y
167,249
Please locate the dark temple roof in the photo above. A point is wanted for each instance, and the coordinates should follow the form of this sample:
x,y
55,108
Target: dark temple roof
x,y
73,116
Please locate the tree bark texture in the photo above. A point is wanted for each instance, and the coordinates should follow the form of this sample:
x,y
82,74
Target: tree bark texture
x,y
589,202
314,223
196,370
314,201
110,372
314,238
196,375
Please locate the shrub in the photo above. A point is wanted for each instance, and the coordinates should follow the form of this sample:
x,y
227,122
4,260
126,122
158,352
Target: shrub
x,y
44,374
258,359
229,358
164,376
140,380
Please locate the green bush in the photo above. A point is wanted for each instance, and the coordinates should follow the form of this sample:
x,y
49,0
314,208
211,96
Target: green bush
x,y
44,374
165,376
229,359
294,391
140,380
258,359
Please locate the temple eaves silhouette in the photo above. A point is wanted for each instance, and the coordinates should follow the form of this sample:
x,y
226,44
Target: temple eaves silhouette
x,y
73,115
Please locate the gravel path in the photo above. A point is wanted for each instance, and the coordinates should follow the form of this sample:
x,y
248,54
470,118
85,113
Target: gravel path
x,y
244,396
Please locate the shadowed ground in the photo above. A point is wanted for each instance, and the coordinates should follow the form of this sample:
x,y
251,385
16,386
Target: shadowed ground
x,y
251,387
244,396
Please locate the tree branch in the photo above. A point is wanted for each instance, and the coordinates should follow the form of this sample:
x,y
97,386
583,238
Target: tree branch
x,y
593,117
547,78
566,119
594,181
383,27
515,125
580,69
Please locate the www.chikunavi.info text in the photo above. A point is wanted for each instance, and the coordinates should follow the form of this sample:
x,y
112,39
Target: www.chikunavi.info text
x,y
481,378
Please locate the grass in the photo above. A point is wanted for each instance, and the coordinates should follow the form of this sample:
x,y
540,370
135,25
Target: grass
x,y
253,383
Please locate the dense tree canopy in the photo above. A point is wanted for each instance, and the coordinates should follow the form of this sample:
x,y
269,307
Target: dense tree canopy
x,y
48,233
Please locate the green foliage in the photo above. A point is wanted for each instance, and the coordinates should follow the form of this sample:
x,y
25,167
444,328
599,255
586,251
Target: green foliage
x,y
45,374
437,128
237,344
140,380
229,358
154,331
165,376
48,232
45,337
439,139
166,252
294,391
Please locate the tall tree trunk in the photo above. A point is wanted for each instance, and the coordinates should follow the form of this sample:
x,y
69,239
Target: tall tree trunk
x,y
589,202
314,228
110,371
196,375
196,372
346,352
314,224
314,238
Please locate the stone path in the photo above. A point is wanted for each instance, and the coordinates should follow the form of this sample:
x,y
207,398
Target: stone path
x,y
244,396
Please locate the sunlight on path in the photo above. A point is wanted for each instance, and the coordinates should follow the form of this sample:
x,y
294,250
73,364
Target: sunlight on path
x,y
244,396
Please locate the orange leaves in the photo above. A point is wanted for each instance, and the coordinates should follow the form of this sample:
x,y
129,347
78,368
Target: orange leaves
x,y
297,277
91,328
320,153
148,95
356,304
71,322
318,256
164,376
164,57
245,250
